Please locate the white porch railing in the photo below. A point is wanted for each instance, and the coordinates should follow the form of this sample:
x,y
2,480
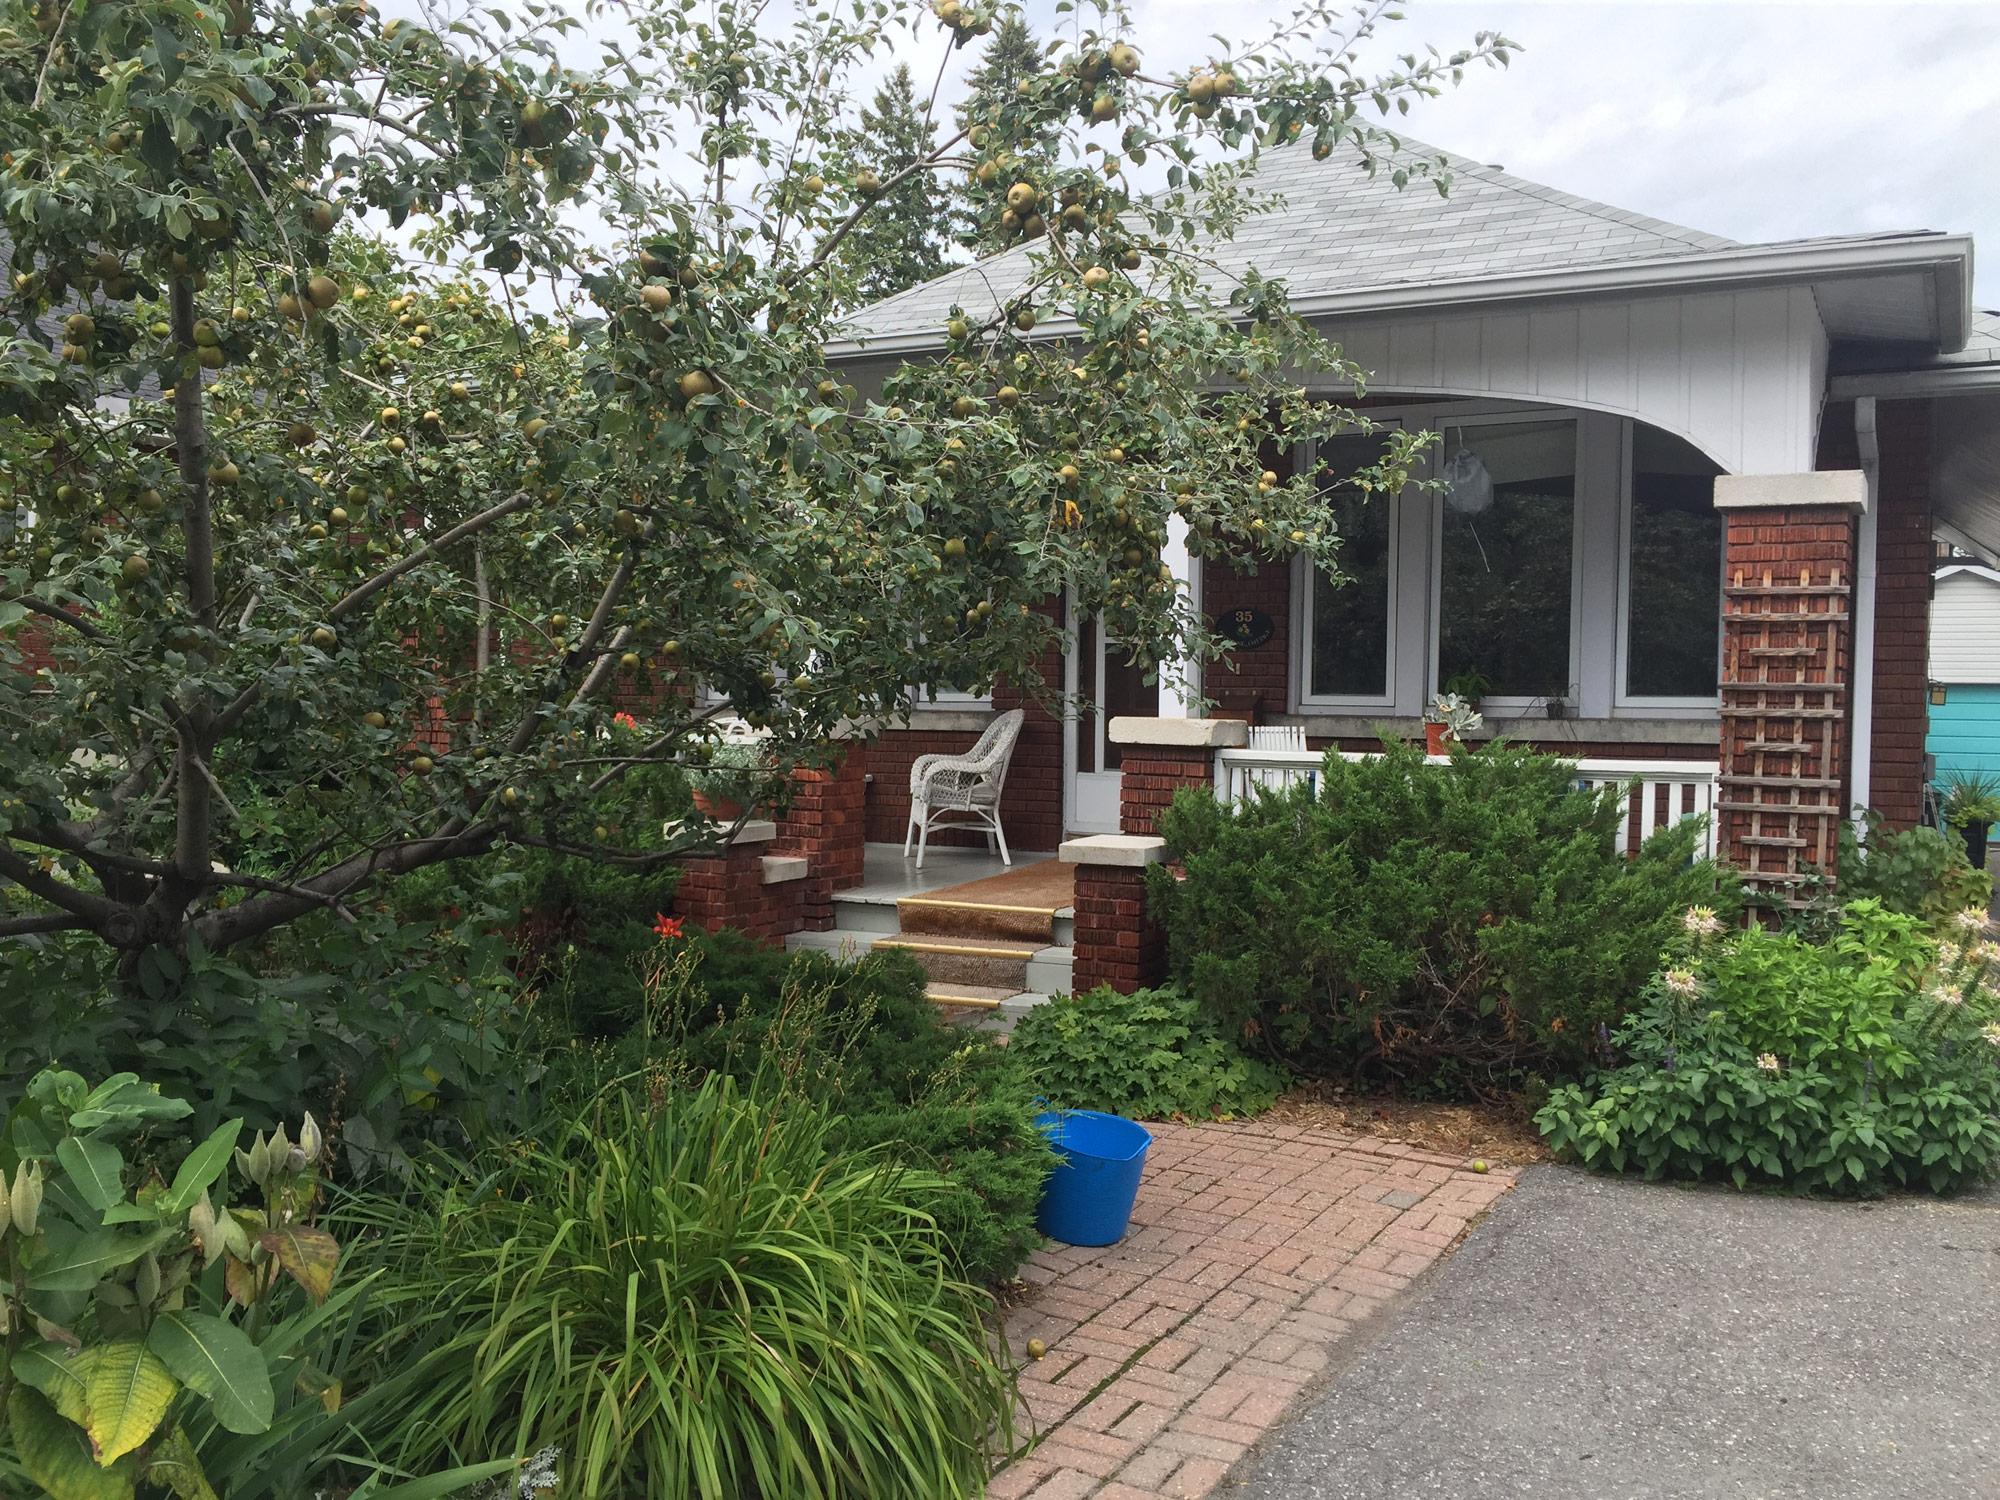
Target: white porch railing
x,y
1665,791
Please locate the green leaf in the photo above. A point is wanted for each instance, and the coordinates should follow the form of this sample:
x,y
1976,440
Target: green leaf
x,y
215,1358
95,1167
126,1390
203,1166
46,1367
56,1454
85,1262
176,1467
310,1256
431,1486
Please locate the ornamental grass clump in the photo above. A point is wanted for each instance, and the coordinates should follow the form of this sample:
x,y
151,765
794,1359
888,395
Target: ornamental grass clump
x,y
1868,1062
685,1294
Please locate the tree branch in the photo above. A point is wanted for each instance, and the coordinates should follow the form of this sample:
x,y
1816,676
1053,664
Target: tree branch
x,y
273,908
93,909
53,921
520,500
55,612
846,225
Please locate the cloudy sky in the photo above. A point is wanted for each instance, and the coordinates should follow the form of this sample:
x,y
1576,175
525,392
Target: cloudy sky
x,y
1758,121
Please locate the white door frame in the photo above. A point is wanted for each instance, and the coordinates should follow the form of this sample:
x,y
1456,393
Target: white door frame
x,y
1090,798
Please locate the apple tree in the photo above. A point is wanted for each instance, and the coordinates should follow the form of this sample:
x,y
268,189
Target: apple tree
x,y
411,441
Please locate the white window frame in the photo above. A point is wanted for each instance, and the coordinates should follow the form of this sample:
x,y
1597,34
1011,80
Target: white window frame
x,y
1494,707
1303,584
1639,706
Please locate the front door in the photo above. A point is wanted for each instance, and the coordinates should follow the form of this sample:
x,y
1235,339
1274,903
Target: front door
x,y
1101,686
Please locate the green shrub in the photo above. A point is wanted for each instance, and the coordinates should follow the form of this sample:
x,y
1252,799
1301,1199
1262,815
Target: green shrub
x,y
1919,872
690,1292
864,1040
1870,1061
1148,1055
1443,927
407,1031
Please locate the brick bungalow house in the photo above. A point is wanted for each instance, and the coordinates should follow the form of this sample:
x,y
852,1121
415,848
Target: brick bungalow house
x,y
1695,543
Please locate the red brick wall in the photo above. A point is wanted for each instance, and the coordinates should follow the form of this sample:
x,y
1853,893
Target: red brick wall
x,y
1903,565
1152,774
1261,671
1116,942
826,824
728,890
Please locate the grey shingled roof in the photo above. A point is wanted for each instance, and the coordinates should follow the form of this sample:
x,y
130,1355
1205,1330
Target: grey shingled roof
x,y
1341,230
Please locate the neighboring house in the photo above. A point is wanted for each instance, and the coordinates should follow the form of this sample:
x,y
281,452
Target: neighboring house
x,y
1692,443
1965,670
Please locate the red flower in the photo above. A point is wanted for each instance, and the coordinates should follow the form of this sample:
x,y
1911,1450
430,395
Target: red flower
x,y
624,721
666,926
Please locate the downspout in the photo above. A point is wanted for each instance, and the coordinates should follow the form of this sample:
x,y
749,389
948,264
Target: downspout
x,y
1861,753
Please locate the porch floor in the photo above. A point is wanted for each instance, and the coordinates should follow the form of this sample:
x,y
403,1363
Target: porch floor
x,y
886,877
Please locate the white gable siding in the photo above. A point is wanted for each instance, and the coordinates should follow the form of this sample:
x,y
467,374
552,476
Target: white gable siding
x,y
1738,374
1965,629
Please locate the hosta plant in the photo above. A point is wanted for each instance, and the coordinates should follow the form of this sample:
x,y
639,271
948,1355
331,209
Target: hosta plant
x,y
157,1333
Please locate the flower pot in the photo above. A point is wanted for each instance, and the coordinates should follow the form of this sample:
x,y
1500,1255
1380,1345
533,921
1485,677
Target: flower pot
x,y
1437,739
1974,835
721,809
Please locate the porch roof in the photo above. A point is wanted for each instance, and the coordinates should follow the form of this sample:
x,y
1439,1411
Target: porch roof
x,y
1349,244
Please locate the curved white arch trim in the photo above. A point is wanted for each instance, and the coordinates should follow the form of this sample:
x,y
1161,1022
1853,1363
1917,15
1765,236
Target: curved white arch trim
x,y
1740,375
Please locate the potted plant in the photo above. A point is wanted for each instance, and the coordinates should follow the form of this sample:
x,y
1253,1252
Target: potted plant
x,y
730,780
1972,806
1448,721
1472,685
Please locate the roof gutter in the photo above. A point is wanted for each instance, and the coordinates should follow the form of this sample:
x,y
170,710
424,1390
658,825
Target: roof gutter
x,y
1861,736
1942,380
1948,257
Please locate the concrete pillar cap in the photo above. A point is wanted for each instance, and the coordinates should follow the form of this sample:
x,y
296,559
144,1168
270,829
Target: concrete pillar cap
x,y
1844,489
1191,734
1131,850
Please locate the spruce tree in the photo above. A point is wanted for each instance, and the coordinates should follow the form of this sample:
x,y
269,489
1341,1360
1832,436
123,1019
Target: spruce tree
x,y
903,242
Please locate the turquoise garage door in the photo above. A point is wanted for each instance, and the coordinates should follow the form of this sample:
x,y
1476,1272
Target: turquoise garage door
x,y
1965,730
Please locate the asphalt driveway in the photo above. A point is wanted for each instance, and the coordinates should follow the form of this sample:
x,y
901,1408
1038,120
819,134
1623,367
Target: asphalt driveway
x,y
1600,1338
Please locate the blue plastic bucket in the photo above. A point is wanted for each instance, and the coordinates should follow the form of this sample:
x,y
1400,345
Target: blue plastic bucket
x,y
1088,1199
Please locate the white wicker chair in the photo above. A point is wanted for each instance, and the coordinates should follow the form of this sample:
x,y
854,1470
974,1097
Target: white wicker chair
x,y
963,791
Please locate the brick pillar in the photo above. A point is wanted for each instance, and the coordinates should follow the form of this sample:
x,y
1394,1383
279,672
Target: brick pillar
x,y
826,825
1787,634
1116,943
1903,564
1157,757
742,887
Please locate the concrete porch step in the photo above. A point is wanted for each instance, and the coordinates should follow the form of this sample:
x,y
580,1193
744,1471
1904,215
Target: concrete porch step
x,y
982,996
994,963
968,919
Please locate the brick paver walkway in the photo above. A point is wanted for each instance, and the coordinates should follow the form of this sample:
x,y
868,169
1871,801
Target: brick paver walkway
x,y
1253,1249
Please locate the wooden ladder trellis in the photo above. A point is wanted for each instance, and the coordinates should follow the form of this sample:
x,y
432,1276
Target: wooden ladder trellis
x,y
1783,718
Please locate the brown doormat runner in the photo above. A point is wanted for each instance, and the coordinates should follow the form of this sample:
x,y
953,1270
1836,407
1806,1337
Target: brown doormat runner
x,y
1019,904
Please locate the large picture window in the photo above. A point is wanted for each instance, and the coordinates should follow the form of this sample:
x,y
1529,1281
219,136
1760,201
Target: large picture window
x,y
1348,647
1673,608
1507,558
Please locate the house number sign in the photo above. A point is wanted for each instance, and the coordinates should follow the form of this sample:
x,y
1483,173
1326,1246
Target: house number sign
x,y
1246,629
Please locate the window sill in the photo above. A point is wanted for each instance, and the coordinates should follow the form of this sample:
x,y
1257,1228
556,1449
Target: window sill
x,y
1681,731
